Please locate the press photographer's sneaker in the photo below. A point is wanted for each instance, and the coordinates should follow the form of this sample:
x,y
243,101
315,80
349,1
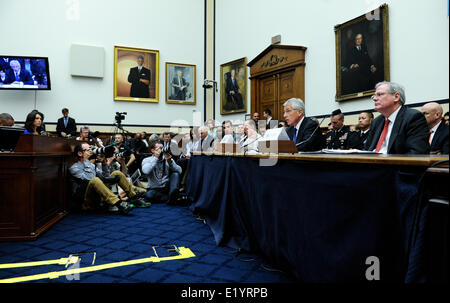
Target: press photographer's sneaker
x,y
124,207
140,203
113,208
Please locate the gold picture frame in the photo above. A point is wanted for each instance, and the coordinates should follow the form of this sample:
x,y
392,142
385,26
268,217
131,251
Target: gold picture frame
x,y
131,83
362,54
233,93
181,83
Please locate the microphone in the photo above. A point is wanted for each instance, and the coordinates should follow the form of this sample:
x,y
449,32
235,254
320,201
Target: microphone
x,y
309,138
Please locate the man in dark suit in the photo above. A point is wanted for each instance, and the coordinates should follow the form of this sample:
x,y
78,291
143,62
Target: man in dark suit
x,y
139,77
66,126
361,66
233,92
302,130
399,129
180,86
17,75
270,123
438,129
357,139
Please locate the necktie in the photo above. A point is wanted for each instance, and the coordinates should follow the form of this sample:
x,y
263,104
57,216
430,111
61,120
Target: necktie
x,y
431,136
65,122
17,77
383,135
295,135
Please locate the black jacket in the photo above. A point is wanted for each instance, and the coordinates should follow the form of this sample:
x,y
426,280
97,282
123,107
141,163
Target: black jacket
x,y
70,129
309,134
139,89
440,139
409,134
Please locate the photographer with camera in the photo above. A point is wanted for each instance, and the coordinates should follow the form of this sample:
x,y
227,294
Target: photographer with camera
x,y
107,166
163,175
123,151
89,186
92,138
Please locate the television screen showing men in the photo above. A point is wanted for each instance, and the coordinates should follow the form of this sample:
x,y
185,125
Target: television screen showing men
x,y
24,73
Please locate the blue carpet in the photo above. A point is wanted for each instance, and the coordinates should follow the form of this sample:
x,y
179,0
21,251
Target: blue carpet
x,y
121,238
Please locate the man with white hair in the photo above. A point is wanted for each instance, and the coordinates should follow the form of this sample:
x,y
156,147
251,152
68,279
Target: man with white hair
x,y
302,130
206,142
17,75
438,130
399,129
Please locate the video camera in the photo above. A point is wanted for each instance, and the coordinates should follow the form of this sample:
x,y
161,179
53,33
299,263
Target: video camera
x,y
120,117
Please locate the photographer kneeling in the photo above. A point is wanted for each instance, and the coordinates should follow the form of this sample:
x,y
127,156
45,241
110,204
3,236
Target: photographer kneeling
x,y
163,175
89,184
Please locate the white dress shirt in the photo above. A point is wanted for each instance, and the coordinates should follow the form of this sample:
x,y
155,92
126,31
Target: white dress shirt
x,y
392,117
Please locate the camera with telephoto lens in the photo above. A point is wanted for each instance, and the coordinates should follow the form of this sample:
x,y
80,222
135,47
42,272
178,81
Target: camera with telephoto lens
x,y
95,134
166,150
108,150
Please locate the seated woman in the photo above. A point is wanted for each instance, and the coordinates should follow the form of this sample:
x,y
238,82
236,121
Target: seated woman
x,y
249,142
34,123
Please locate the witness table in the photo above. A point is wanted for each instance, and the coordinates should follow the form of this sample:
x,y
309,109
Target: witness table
x,y
321,217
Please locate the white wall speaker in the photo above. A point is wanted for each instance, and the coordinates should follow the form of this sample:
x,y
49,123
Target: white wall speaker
x,y
87,61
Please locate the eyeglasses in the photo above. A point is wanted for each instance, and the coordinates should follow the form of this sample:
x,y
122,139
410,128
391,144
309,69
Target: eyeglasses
x,y
378,95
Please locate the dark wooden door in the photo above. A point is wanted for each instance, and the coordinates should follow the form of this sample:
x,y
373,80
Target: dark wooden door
x,y
274,90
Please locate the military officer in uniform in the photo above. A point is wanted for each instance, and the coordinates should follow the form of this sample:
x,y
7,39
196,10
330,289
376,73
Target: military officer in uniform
x,y
337,138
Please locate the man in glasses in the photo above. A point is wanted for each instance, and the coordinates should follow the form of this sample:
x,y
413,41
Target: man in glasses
x,y
90,190
399,129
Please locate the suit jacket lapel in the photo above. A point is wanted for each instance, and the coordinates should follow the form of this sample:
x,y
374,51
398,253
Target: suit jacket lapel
x,y
396,127
437,134
301,130
377,129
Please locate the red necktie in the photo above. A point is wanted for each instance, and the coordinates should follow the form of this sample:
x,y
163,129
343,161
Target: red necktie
x,y
431,133
383,135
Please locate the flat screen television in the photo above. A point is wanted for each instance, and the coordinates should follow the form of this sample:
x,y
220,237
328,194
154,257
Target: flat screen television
x,y
27,73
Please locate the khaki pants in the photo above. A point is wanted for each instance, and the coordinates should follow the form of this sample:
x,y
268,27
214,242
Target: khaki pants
x,y
97,191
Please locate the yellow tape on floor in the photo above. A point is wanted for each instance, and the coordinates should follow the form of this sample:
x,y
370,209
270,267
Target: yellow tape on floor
x,y
184,253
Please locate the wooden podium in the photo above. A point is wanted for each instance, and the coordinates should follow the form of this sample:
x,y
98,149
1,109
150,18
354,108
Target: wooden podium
x,y
33,186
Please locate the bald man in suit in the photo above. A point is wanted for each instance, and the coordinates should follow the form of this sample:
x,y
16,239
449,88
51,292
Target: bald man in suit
x,y
439,131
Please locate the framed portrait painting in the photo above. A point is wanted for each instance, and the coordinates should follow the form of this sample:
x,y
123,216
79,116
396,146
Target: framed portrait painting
x,y
362,54
233,84
180,83
136,74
